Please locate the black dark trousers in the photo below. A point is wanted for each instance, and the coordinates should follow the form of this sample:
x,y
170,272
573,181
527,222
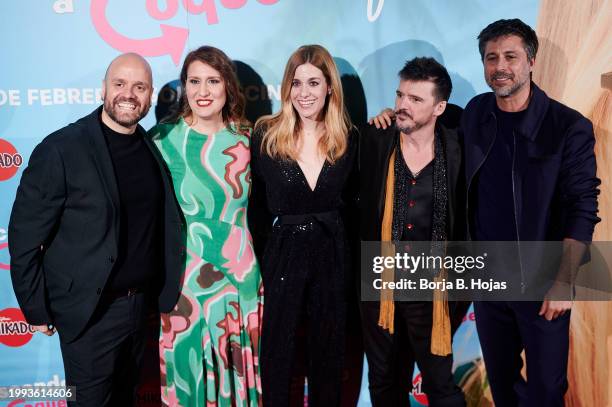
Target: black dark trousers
x,y
104,361
305,290
504,330
391,358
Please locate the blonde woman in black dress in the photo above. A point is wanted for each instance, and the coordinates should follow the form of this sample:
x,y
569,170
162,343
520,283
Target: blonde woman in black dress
x,y
302,158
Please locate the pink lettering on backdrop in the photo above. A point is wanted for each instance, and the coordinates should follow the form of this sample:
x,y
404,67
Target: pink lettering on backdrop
x,y
207,6
232,4
173,39
156,13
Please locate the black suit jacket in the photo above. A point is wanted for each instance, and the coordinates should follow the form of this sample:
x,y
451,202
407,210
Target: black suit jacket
x,y
375,151
63,231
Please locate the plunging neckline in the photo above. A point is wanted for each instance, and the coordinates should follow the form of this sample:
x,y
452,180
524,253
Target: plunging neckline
x,y
305,179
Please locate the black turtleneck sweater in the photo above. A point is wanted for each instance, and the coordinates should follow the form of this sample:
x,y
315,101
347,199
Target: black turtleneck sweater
x,y
141,199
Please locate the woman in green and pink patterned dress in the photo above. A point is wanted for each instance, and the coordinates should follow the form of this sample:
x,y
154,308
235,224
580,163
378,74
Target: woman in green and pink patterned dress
x,y
209,343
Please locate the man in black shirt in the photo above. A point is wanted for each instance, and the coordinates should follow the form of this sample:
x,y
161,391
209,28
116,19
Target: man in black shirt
x,y
411,190
94,232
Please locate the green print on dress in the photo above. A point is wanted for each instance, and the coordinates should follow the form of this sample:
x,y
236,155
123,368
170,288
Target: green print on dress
x,y
209,343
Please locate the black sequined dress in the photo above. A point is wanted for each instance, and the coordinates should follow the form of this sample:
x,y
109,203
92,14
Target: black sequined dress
x,y
305,272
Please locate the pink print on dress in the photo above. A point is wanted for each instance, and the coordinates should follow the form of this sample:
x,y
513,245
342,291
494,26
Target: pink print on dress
x,y
251,356
230,351
230,326
185,314
239,259
241,157
193,261
171,400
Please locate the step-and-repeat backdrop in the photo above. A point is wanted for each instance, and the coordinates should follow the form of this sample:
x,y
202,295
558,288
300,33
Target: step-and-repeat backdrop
x,y
55,53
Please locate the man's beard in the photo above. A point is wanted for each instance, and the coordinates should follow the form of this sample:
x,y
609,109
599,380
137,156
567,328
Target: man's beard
x,y
113,112
407,129
506,90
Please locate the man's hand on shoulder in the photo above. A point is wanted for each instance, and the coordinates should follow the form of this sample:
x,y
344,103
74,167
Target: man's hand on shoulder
x,y
384,119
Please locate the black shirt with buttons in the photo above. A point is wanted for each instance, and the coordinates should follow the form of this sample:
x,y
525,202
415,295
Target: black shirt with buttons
x,y
141,204
413,201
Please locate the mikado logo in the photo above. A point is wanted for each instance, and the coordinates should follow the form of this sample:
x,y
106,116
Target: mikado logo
x,y
173,39
10,160
417,391
14,330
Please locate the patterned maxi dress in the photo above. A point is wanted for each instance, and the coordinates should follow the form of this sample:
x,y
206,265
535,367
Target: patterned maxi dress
x,y
209,344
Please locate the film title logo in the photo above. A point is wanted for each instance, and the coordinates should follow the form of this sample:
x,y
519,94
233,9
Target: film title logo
x,y
372,13
417,391
172,39
10,160
14,330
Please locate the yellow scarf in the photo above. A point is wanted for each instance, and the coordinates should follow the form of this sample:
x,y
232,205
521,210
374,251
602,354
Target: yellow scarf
x,y
441,329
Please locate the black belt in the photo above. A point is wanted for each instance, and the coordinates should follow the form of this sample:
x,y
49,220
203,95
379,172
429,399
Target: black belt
x,y
305,222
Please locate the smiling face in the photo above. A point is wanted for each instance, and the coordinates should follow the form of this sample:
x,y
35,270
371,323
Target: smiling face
x,y
126,91
205,92
309,90
506,66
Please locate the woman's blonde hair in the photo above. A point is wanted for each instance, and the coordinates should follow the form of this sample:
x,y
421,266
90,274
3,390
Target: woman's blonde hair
x,y
282,129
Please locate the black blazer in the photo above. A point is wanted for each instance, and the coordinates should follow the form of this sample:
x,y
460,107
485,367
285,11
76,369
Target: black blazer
x,y
375,151
64,226
555,186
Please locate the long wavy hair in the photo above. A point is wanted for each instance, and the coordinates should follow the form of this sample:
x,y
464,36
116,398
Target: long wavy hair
x,y
233,110
282,130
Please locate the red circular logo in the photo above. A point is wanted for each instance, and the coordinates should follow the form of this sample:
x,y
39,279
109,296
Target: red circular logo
x,y
10,160
14,330
417,391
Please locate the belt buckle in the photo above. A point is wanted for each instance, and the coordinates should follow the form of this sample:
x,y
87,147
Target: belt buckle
x,y
131,291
